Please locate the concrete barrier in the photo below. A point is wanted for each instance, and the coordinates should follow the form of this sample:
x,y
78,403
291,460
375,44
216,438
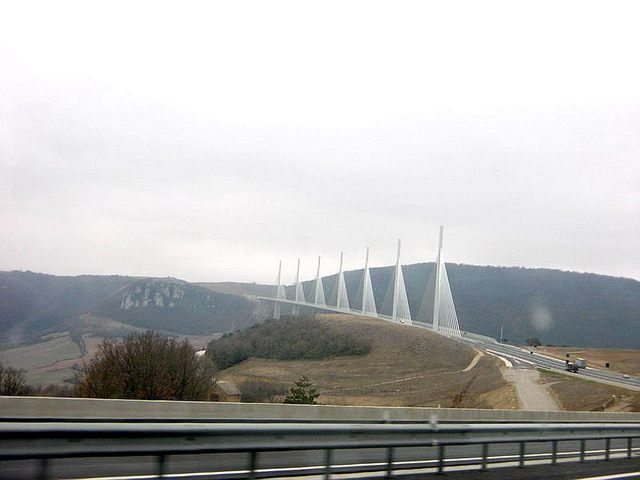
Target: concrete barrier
x,y
91,408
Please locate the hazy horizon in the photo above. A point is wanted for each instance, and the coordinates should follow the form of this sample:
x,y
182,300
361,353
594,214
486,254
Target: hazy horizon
x,y
209,141
289,281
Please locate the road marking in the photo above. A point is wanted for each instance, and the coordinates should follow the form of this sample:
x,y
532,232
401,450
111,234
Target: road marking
x,y
500,458
506,362
611,477
517,359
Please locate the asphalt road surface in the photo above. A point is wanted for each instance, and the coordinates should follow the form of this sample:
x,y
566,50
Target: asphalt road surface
x,y
525,358
235,465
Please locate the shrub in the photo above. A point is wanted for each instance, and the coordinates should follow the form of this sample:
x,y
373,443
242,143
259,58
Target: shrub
x,y
302,392
258,391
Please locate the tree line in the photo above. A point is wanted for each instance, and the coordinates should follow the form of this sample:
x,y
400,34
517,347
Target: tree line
x,y
289,338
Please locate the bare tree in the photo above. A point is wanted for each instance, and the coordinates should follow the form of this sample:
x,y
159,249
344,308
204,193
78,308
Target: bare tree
x,y
12,382
147,366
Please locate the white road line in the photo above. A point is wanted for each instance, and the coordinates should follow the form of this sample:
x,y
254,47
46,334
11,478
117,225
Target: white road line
x,y
502,458
512,356
612,477
506,362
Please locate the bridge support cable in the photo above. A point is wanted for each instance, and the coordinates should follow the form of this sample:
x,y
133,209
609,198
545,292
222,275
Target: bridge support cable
x,y
437,305
319,290
342,298
280,292
368,300
299,291
450,325
438,283
400,312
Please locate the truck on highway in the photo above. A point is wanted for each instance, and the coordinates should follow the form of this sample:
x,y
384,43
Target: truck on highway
x,y
581,362
572,367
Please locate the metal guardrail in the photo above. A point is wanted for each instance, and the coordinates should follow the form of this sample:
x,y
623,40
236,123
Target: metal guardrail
x,y
59,440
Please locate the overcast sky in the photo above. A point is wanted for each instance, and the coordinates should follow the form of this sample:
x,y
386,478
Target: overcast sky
x,y
207,140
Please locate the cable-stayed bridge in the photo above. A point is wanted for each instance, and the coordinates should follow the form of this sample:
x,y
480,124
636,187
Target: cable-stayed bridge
x,y
436,310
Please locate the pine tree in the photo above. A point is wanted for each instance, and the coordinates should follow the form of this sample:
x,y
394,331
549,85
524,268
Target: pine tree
x,y
302,391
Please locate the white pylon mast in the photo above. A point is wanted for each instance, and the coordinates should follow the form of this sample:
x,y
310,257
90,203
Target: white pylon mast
x,y
365,281
340,278
317,295
296,308
276,305
396,285
436,299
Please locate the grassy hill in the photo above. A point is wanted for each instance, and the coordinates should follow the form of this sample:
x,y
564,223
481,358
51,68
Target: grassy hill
x,y
404,367
577,393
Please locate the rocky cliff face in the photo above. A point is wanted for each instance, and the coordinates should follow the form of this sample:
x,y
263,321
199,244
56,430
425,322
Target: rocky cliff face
x,y
155,294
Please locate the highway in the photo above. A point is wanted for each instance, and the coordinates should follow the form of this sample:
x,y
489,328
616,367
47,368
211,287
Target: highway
x,y
234,465
525,358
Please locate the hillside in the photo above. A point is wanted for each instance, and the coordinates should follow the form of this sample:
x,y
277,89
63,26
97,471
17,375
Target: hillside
x,y
405,367
33,305
577,393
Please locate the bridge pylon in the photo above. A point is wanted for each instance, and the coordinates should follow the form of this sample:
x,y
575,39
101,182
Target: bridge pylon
x,y
342,298
400,309
319,289
280,292
368,300
299,292
437,306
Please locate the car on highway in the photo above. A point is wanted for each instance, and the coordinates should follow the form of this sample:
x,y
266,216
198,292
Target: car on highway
x,y
625,375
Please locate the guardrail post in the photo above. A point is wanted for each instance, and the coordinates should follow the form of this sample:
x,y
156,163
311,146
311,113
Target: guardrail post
x,y
389,463
583,447
521,459
44,469
440,459
253,461
161,461
554,452
607,448
327,464
629,447
485,455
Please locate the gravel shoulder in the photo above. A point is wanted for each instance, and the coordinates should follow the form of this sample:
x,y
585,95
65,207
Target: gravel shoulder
x,y
532,395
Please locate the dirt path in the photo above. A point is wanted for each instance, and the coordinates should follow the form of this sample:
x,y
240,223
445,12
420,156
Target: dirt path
x,y
473,363
532,395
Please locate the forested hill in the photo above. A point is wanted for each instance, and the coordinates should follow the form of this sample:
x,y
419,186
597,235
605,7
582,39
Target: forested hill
x,y
561,308
34,304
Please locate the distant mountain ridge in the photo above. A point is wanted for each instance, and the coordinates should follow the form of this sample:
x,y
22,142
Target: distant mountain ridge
x,y
34,304
561,308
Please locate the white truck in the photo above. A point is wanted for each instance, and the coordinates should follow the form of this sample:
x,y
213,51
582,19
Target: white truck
x,y
580,362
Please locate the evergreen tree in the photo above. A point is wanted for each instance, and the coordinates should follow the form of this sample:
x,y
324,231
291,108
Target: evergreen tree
x,y
302,392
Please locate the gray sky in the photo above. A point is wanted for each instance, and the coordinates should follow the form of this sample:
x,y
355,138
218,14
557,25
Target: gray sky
x,y
207,140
